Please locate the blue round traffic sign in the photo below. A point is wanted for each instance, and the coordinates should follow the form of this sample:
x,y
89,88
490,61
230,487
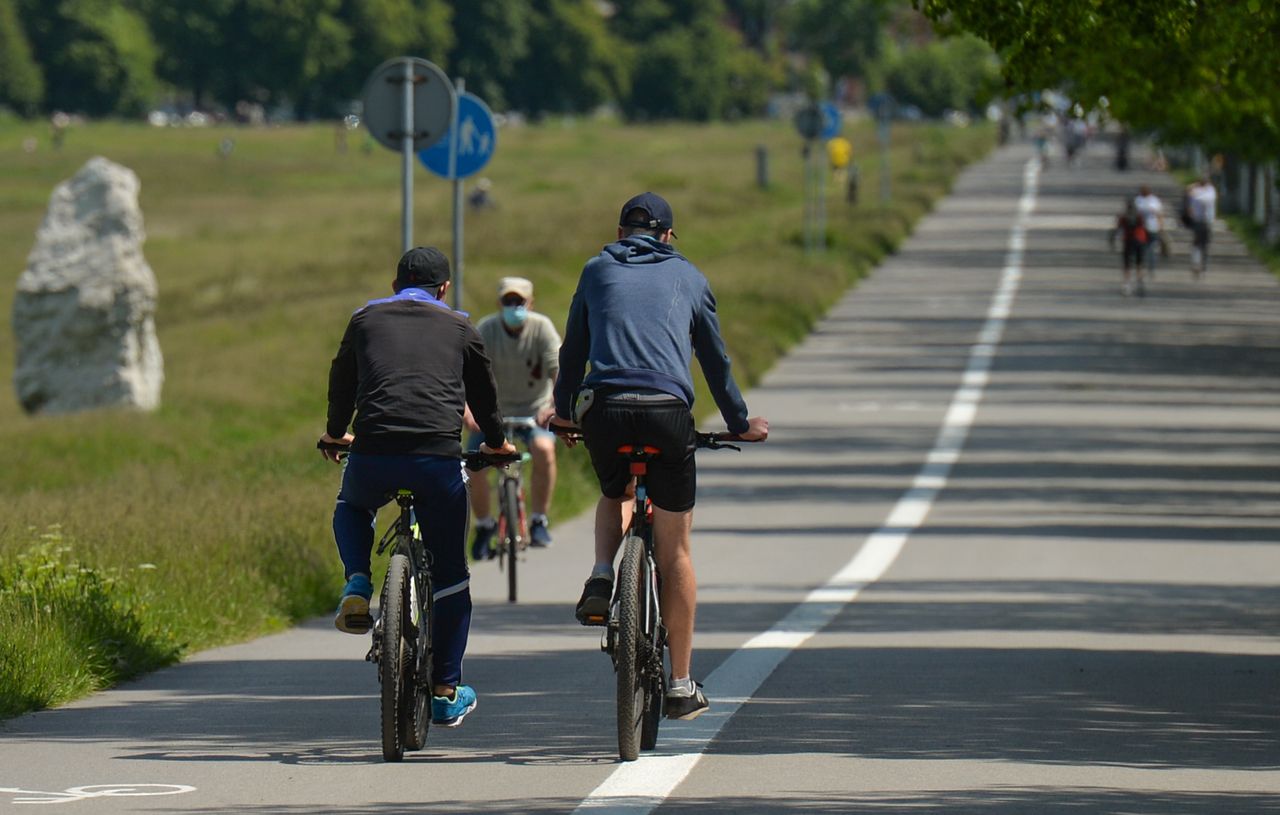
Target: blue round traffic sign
x,y
468,145
830,121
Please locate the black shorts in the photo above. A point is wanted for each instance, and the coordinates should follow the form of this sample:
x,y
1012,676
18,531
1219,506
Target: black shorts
x,y
616,420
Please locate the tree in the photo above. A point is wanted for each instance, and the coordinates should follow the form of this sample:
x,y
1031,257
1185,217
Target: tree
x,y
21,81
1196,70
491,38
573,63
98,55
957,73
845,35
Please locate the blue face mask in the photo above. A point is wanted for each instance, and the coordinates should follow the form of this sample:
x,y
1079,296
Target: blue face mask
x,y
514,316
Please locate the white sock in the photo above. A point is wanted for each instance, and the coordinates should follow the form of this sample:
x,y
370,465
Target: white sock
x,y
681,687
539,518
486,522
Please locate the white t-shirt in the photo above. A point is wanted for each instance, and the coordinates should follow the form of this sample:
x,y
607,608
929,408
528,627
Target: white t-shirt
x,y
524,364
1151,208
1204,203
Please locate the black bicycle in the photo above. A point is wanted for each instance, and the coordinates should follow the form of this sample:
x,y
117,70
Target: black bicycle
x,y
402,647
635,638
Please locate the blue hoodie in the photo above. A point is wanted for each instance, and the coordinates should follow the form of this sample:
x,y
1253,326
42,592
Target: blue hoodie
x,y
640,312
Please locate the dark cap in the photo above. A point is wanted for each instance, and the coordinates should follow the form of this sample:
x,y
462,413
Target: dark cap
x,y
653,205
422,266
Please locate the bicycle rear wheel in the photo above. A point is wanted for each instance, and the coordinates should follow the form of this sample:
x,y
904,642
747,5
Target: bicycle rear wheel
x,y
627,657
510,503
395,652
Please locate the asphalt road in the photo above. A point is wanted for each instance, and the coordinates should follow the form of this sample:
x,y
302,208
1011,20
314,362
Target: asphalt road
x,y
1013,547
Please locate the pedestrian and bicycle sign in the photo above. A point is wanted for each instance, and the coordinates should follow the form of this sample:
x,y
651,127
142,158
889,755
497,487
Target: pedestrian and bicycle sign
x,y
470,144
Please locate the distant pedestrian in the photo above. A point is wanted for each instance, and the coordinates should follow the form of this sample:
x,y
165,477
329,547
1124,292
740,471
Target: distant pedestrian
x,y
1131,228
1201,209
1122,149
1152,209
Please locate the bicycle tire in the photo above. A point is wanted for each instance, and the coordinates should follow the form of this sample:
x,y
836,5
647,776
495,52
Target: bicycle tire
x,y
417,720
395,613
627,656
511,537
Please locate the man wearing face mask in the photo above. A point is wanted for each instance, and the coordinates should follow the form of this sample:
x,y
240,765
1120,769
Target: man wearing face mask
x,y
524,349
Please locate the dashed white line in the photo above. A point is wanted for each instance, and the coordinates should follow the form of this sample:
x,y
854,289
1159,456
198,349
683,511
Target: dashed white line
x,y
640,786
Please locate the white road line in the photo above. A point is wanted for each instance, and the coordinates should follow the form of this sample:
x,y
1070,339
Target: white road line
x,y
640,786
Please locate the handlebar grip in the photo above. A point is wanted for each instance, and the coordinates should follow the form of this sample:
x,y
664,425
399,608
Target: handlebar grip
x,y
333,446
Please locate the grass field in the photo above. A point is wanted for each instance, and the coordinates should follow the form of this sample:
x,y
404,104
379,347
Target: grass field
x,y
130,539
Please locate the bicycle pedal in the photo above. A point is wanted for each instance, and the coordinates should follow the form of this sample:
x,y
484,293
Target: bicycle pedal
x,y
358,623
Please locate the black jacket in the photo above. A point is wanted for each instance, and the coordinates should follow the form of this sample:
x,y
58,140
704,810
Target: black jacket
x,y
405,366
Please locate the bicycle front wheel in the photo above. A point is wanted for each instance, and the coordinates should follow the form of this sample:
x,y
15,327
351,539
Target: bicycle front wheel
x,y
627,657
393,664
510,502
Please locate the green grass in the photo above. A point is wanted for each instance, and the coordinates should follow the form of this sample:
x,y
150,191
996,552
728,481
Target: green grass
x,y
1254,236
260,259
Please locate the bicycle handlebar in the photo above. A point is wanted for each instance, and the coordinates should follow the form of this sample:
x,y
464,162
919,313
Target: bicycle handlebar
x,y
474,460
707,441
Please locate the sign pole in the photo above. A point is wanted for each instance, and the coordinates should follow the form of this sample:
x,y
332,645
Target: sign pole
x,y
406,161
460,88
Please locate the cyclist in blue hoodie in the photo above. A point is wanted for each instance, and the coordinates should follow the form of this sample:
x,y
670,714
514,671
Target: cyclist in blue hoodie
x,y
640,313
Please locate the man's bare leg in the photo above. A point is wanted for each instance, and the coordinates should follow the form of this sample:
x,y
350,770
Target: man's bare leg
x,y
679,599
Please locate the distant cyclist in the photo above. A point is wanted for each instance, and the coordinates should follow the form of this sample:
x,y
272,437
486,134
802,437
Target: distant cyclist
x,y
641,311
524,349
405,367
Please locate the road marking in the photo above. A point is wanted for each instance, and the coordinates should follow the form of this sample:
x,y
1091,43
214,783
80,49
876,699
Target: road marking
x,y
22,796
640,786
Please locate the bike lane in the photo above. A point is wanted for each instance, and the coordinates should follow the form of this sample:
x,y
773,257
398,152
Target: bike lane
x,y
948,684
1086,618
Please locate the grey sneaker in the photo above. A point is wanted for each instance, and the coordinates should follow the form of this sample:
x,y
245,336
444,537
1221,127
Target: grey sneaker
x,y
685,703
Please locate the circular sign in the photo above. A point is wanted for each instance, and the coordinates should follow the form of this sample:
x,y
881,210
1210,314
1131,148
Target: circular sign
x,y
808,120
474,141
433,101
830,121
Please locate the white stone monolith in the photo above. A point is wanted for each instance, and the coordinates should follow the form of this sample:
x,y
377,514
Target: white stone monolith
x,y
84,314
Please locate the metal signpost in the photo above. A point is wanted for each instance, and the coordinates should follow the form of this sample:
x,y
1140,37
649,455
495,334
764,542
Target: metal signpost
x,y
466,149
408,106
813,123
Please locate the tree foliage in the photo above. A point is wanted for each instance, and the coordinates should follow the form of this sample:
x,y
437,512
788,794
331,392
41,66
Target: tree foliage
x,y
574,64
98,56
1206,71
957,73
21,80
845,35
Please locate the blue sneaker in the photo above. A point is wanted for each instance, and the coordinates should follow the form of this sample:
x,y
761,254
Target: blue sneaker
x,y
448,712
353,609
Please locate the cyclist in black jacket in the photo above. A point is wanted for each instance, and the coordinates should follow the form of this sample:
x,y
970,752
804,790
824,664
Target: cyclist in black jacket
x,y
406,367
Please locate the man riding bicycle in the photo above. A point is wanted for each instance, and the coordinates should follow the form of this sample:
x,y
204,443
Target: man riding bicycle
x,y
523,348
406,366
640,312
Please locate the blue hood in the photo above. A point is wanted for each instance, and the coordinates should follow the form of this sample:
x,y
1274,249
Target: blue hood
x,y
641,249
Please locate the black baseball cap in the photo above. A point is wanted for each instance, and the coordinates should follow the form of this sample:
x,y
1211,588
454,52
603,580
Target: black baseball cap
x,y
653,205
423,266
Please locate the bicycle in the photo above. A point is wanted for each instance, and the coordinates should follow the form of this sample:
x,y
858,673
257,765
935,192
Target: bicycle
x,y
513,526
401,646
635,638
